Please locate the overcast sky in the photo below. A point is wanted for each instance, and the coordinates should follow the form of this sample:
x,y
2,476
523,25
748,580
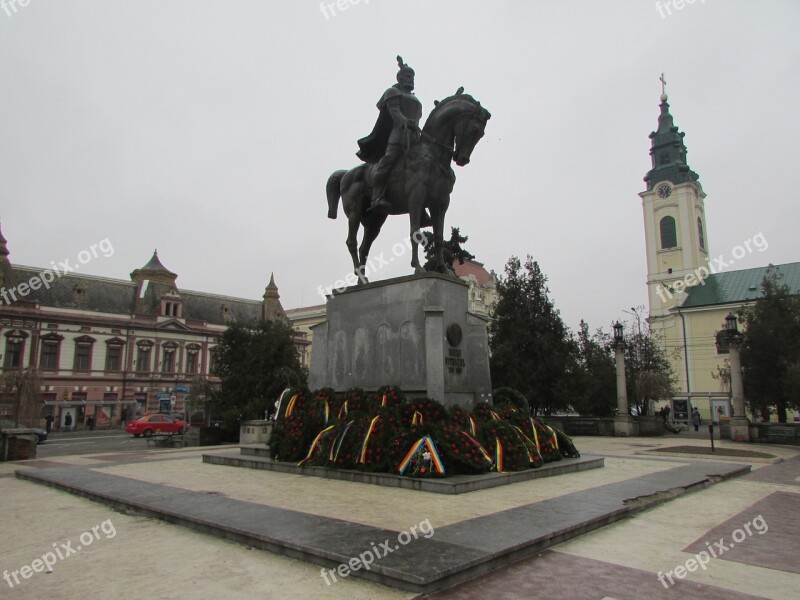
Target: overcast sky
x,y
208,129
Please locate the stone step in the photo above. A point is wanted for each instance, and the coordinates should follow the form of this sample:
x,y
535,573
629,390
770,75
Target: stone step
x,y
257,457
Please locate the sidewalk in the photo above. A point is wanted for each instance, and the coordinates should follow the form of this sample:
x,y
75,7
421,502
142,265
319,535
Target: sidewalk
x,y
619,561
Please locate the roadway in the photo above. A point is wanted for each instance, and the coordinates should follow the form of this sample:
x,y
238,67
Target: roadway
x,y
89,442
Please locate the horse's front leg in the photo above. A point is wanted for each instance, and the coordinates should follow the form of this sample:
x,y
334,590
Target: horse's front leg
x,y
415,209
372,227
437,216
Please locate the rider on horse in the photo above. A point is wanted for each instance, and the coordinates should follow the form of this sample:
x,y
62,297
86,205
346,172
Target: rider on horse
x,y
395,131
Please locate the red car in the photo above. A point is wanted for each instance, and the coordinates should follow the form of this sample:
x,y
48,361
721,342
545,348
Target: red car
x,y
150,424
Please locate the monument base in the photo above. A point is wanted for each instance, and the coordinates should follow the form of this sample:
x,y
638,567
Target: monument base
x,y
414,332
740,429
624,426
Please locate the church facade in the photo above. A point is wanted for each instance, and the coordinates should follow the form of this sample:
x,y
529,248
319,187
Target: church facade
x,y
690,290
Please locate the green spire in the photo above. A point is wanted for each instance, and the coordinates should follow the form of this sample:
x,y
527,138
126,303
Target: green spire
x,y
667,151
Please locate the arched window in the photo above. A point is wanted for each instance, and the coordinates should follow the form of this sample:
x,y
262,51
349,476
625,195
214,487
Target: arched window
x,y
83,353
700,236
15,349
669,236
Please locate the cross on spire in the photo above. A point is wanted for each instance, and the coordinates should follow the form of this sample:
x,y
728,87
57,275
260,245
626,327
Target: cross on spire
x,y
663,88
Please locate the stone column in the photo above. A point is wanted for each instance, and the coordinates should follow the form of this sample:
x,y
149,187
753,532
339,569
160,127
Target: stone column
x,y
740,425
624,425
622,391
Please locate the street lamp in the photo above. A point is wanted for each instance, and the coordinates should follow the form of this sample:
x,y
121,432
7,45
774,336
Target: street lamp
x,y
739,423
623,424
619,334
731,325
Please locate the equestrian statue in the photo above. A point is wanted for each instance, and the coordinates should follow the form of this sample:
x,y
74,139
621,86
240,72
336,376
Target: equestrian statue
x,y
405,170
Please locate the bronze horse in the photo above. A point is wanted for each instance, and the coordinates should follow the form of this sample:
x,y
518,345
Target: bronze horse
x,y
423,181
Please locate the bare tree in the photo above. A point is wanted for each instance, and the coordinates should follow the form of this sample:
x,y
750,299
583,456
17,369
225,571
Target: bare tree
x,y
22,387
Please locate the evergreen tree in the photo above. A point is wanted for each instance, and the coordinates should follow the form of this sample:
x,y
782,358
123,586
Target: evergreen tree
x,y
596,382
771,349
451,249
251,363
531,349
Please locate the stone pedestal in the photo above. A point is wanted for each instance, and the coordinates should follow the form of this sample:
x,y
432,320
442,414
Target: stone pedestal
x,y
740,429
624,426
256,431
414,332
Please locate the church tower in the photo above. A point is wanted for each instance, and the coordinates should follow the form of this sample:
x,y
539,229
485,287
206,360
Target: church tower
x,y
271,308
674,221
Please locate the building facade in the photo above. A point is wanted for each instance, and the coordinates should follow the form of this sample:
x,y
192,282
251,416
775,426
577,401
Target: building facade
x,y
112,349
689,293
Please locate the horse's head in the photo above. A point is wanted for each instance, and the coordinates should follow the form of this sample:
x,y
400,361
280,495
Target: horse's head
x,y
469,122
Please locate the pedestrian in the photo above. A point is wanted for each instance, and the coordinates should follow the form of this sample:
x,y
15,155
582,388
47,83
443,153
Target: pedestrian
x,y
696,419
49,423
665,413
123,418
90,423
68,422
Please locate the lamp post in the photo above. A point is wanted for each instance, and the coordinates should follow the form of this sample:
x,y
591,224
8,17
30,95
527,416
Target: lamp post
x,y
740,426
623,422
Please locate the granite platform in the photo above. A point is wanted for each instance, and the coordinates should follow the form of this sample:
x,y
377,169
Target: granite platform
x,y
256,456
455,552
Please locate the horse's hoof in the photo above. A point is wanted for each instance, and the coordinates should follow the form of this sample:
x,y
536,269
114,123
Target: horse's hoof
x,y
419,270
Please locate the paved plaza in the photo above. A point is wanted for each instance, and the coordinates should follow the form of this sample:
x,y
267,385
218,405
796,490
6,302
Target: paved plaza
x,y
733,536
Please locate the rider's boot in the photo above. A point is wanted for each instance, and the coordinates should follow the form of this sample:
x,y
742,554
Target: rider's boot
x,y
380,181
379,202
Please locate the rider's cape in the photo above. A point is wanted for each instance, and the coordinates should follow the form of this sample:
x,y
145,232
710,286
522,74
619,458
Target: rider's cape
x,y
373,147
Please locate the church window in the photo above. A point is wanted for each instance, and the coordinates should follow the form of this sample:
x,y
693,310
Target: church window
x,y
700,237
669,235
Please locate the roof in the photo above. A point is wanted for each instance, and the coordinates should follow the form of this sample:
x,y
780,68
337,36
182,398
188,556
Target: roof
x,y
472,267
114,296
739,286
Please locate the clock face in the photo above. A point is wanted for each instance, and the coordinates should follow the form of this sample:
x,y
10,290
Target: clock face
x,y
664,191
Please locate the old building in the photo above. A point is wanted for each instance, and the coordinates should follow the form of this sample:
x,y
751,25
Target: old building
x,y
108,348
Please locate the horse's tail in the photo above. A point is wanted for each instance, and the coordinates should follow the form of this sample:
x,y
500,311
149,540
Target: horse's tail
x,y
334,191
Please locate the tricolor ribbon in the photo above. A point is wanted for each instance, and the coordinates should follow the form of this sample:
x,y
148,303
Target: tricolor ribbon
x,y
436,462
536,436
290,408
555,437
498,455
342,410
363,457
478,444
314,445
337,443
383,402
417,419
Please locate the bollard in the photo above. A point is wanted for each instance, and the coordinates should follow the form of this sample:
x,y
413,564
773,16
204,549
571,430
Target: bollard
x,y
711,434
